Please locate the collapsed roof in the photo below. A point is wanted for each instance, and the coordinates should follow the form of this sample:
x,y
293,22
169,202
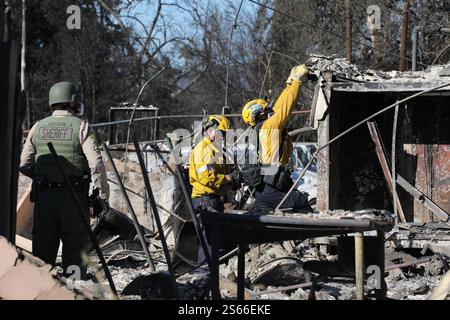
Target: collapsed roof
x,y
349,77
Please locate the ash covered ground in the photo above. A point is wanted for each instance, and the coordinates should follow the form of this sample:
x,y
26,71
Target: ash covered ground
x,y
272,268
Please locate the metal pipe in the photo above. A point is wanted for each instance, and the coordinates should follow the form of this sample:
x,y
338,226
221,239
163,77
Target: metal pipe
x,y
296,132
359,265
351,129
83,216
190,207
149,142
176,116
152,201
393,159
229,254
409,263
137,226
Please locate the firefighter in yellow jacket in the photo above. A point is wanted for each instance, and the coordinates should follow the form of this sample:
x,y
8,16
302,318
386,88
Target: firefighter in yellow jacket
x,y
209,174
275,146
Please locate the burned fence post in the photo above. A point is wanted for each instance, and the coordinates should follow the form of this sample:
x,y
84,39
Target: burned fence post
x,y
130,209
82,217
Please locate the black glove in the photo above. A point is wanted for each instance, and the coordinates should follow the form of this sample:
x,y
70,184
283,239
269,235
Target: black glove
x,y
237,180
99,206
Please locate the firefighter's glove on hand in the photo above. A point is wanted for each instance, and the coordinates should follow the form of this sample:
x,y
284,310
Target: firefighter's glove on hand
x,y
297,73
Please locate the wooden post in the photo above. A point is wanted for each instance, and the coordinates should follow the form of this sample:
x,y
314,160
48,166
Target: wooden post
x,y
359,265
403,36
348,32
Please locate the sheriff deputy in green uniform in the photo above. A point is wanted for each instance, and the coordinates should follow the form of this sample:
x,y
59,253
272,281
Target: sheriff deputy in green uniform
x,y
55,216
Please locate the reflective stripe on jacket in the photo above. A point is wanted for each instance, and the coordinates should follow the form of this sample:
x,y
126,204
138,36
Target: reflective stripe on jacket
x,y
206,170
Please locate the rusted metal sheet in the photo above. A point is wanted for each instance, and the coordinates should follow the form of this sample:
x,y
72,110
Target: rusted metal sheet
x,y
432,178
441,179
422,182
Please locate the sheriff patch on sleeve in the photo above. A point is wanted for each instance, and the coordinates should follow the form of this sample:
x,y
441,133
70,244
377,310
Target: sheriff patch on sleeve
x,y
55,133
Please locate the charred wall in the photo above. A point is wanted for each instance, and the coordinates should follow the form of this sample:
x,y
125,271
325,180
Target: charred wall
x,y
356,179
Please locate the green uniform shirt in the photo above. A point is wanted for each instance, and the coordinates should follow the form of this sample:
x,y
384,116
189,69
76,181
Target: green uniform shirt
x,y
62,132
75,143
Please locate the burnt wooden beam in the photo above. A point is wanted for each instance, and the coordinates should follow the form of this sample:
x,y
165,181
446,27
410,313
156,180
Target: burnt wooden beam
x,y
427,202
381,154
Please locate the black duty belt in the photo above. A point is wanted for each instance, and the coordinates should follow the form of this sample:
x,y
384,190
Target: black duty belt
x,y
51,184
77,182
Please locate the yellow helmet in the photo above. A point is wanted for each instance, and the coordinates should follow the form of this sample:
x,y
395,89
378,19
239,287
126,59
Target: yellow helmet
x,y
220,122
251,109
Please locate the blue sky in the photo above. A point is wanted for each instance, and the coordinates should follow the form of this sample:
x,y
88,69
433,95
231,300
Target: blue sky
x,y
179,21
